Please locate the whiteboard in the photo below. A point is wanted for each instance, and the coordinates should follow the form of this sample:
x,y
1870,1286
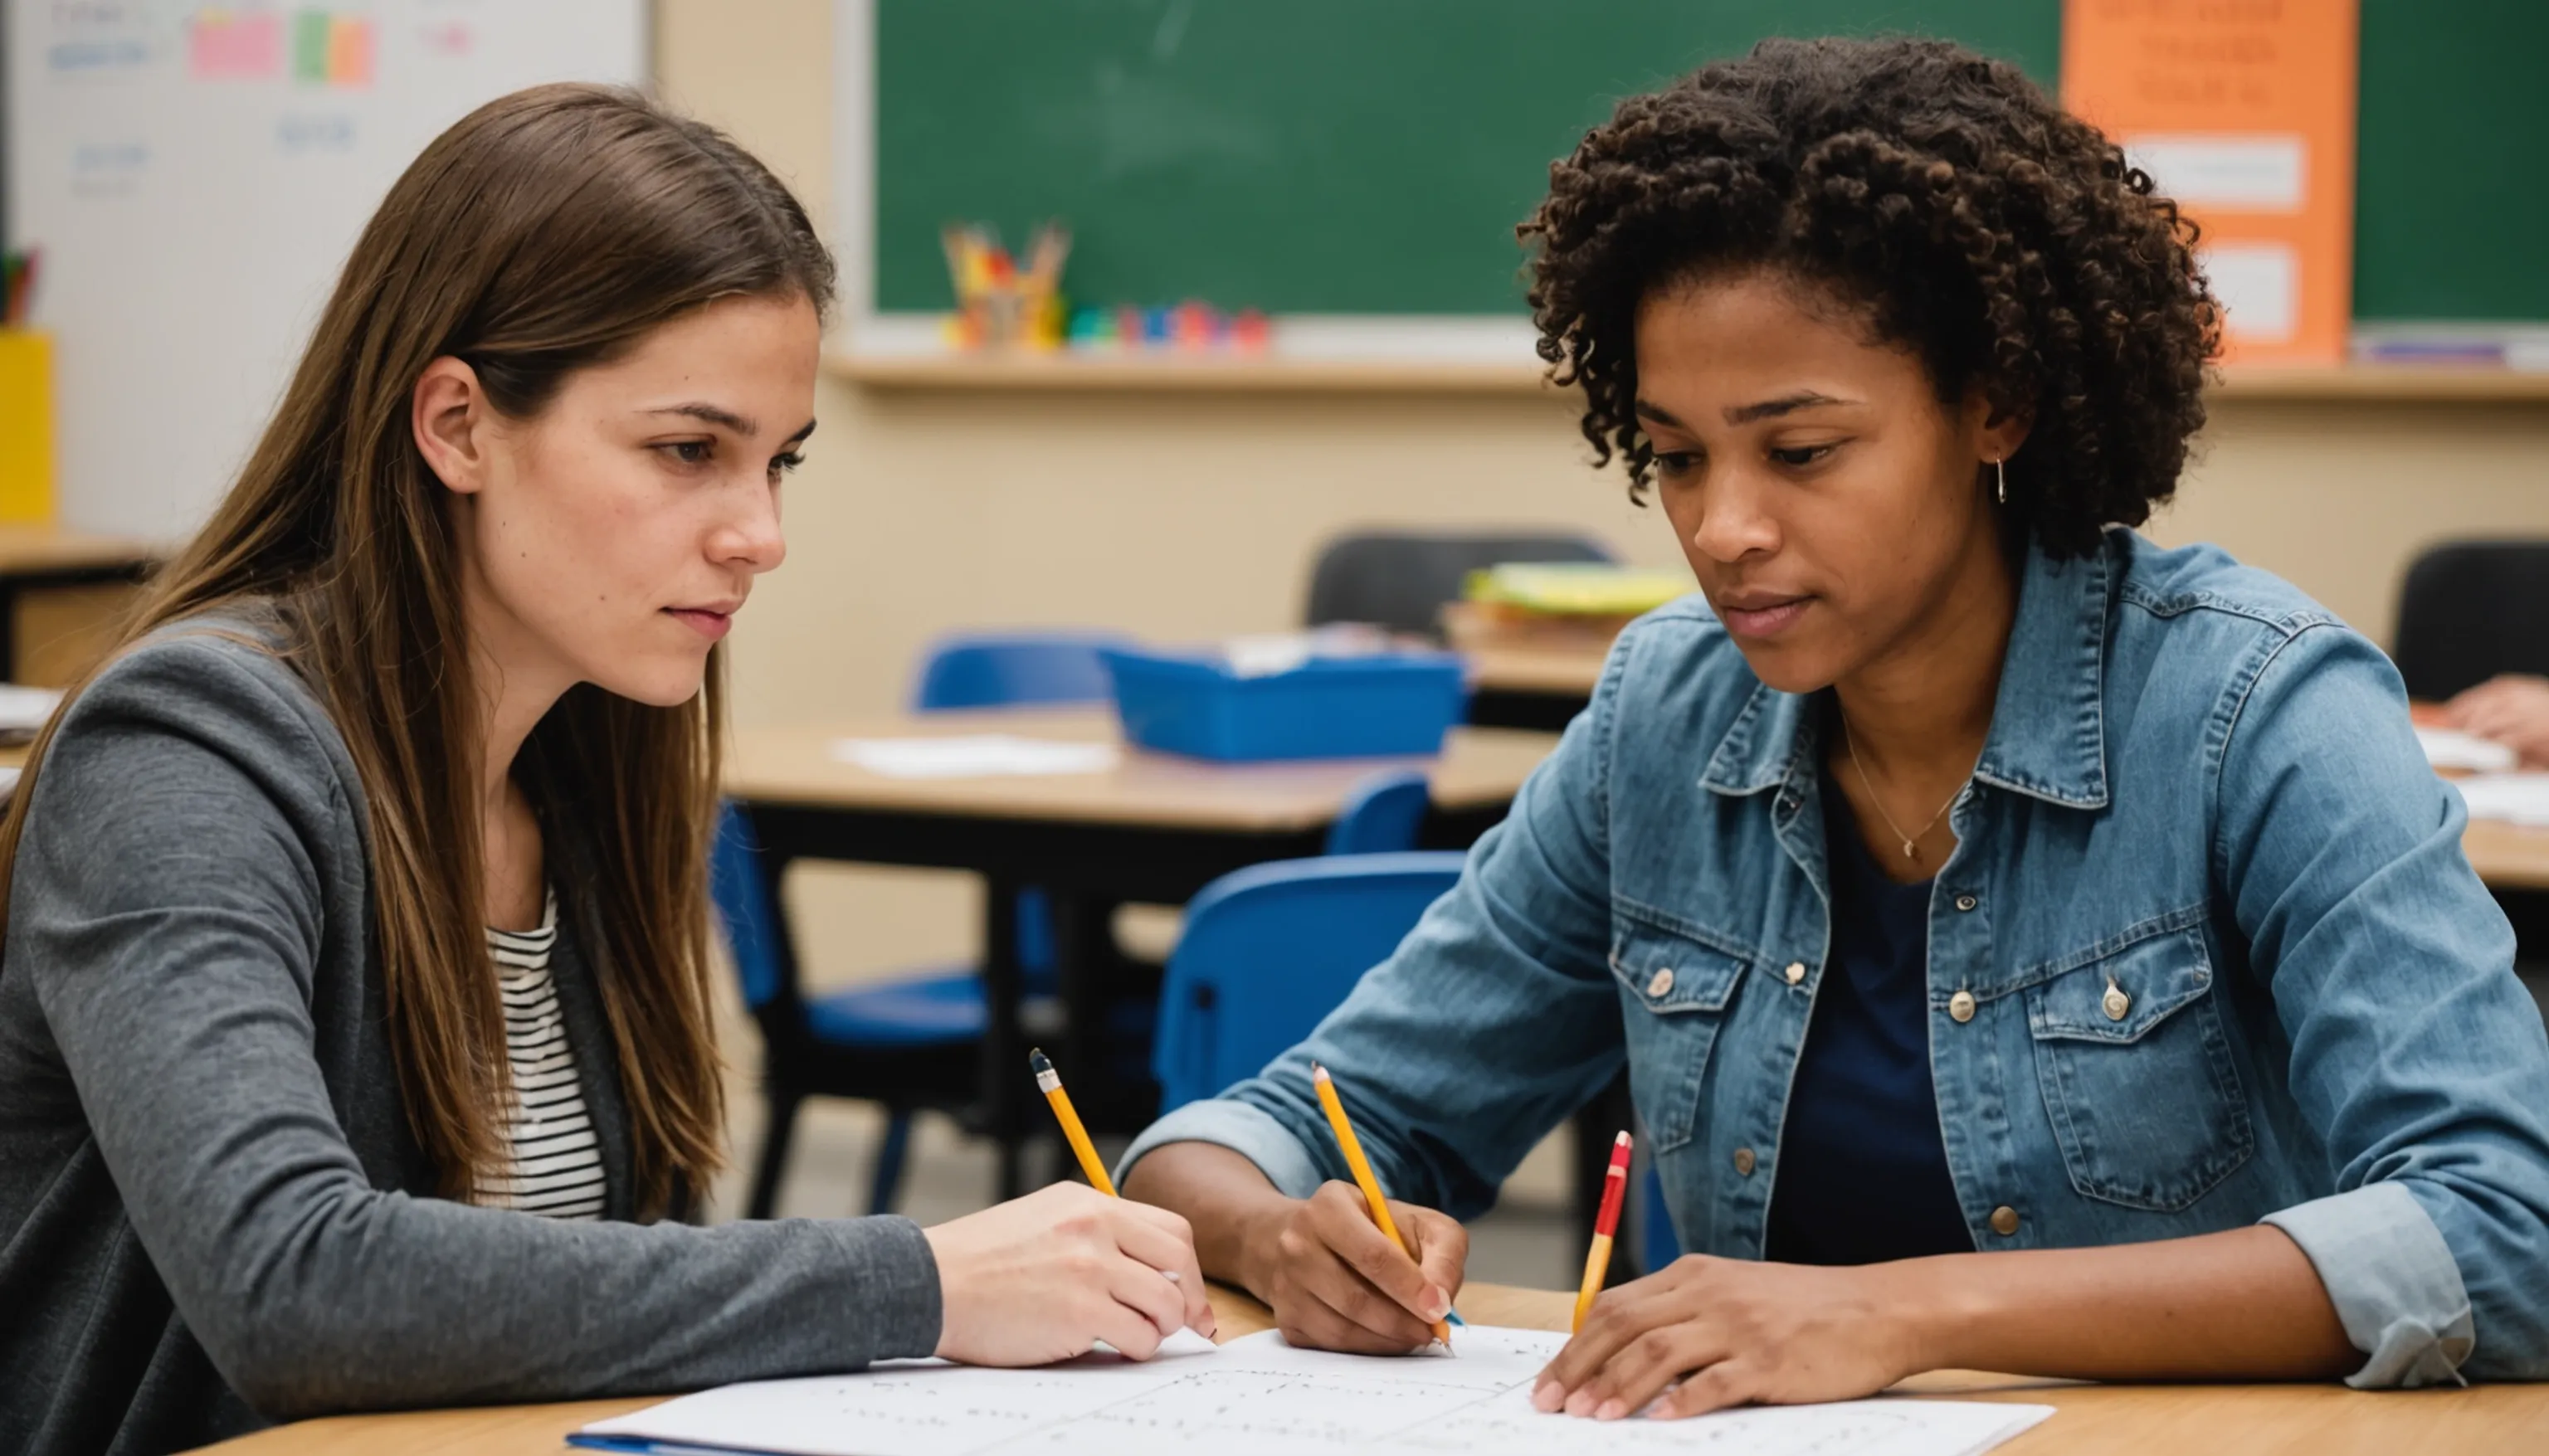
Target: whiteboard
x,y
195,175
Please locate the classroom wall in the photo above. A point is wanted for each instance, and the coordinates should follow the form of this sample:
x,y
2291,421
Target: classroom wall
x,y
1181,517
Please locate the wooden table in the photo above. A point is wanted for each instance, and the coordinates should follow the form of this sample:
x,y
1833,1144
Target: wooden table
x,y
2509,857
1151,828
1478,770
86,575
2088,1419
1532,685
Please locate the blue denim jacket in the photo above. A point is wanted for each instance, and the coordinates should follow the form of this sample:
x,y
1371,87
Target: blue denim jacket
x,y
2200,790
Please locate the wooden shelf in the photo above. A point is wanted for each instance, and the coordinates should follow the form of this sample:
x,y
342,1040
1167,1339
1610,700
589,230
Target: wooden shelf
x,y
1207,374
2441,383
34,550
1210,373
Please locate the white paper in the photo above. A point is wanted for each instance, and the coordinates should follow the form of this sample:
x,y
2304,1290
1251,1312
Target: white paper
x,y
973,755
2245,172
2259,285
1260,1397
25,710
2450,748
2520,798
1265,654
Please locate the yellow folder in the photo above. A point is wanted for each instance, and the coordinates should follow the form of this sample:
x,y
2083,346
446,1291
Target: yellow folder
x,y
26,425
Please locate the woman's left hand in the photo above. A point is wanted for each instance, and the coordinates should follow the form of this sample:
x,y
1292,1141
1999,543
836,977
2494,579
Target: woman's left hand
x,y
1735,1333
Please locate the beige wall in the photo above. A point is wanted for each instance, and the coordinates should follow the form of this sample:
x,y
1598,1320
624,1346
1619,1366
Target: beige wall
x,y
1180,517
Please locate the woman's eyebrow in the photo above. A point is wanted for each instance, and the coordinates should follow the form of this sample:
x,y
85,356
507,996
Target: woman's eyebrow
x,y
725,419
1746,414
1660,414
1784,404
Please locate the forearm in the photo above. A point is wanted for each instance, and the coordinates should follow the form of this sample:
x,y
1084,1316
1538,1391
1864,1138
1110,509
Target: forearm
x,y
1232,1206
2240,1305
416,1302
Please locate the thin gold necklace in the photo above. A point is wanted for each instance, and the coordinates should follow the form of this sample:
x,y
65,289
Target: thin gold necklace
x,y
1909,840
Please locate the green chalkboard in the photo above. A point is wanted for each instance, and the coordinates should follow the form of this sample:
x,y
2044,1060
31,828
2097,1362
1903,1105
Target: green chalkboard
x,y
1371,157
1331,157
2451,216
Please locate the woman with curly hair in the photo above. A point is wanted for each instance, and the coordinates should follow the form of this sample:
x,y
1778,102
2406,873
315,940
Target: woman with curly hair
x,y
2030,950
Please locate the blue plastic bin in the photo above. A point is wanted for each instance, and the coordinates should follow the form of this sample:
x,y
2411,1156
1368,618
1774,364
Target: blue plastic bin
x,y
1351,708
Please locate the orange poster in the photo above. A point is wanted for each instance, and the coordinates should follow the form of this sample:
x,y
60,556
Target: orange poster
x,y
2243,111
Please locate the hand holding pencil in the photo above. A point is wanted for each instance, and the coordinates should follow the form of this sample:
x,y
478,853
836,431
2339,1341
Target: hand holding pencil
x,y
1370,1186
1040,1277
1348,1269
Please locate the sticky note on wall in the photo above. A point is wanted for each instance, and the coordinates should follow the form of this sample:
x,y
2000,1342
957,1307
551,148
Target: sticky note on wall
x,y
223,45
26,425
332,49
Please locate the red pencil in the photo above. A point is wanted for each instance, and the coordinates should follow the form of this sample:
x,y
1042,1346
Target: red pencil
x,y
1597,1259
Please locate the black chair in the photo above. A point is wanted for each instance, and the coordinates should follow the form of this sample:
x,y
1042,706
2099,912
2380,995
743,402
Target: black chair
x,y
2469,611
1401,580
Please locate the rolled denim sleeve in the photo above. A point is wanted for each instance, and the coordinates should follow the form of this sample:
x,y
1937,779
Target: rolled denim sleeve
x,y
2397,1289
1245,1128
2416,1052
1494,1020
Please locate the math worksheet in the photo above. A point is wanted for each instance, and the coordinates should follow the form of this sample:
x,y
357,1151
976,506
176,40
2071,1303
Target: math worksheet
x,y
1260,1397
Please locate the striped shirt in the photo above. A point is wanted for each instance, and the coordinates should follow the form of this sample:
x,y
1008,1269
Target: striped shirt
x,y
553,1166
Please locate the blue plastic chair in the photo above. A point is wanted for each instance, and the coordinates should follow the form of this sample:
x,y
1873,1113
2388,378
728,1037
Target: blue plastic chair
x,y
883,1043
912,1043
1383,815
1015,670
1270,949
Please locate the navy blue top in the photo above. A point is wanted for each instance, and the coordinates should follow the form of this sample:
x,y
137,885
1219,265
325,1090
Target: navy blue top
x,y
1862,1173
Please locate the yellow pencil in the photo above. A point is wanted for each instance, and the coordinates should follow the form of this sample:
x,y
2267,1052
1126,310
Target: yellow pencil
x,y
1049,1082
1363,1178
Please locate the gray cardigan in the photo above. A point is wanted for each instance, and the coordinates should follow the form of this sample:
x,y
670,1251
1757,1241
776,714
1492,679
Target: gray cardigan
x,y
212,1212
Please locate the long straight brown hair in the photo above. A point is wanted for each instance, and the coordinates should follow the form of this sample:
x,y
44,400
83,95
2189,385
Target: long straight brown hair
x,y
546,231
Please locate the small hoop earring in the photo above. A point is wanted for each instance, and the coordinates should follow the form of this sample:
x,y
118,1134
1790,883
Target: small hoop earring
x,y
2000,481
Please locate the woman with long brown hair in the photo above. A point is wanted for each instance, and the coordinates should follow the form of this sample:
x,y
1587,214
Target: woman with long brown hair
x,y
355,1045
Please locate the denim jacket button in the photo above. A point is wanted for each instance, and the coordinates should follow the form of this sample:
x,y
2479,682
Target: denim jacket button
x,y
1795,973
1744,1162
2004,1220
1659,984
1961,1008
1966,902
2115,1003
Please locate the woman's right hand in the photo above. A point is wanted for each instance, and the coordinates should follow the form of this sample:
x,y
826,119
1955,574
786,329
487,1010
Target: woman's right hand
x,y
2511,708
1336,1282
1044,1277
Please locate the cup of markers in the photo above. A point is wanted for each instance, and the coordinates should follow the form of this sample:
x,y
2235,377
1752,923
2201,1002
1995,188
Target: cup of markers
x,y
1002,302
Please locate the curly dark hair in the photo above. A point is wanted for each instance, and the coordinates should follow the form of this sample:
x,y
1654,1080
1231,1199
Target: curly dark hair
x,y
1941,196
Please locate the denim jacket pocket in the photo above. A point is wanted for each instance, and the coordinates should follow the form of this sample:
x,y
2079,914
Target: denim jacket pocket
x,y
2137,1075
1673,993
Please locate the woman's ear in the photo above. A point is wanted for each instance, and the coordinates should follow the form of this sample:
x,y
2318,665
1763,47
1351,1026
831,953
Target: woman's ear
x,y
1997,433
451,422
